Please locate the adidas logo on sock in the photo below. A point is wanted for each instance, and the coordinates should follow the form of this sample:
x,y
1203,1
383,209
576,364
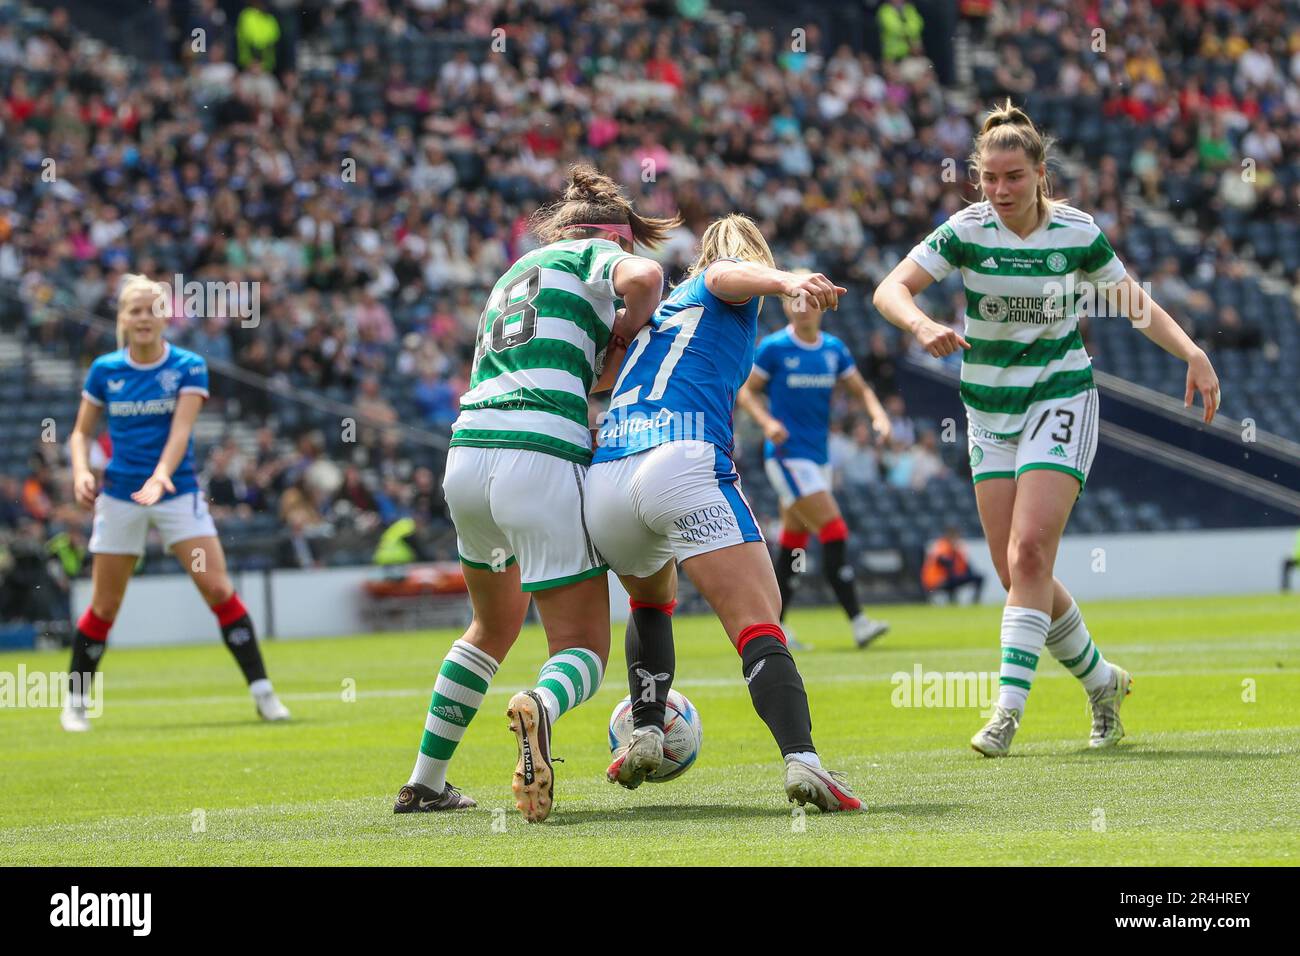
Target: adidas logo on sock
x,y
989,263
1059,452
450,713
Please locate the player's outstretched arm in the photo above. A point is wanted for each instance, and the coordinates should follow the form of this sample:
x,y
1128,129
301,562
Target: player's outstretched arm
x,y
739,281
867,396
1159,326
750,398
895,299
83,479
178,439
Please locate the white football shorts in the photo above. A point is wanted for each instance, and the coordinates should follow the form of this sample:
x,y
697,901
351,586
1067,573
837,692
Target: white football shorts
x,y
676,500
513,504
121,526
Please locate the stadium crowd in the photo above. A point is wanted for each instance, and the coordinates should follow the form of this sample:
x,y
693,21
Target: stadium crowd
x,y
371,165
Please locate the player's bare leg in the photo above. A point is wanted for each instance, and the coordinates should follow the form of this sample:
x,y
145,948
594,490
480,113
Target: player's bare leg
x,y
740,586
110,574
463,678
651,665
820,512
1002,503
576,618
205,562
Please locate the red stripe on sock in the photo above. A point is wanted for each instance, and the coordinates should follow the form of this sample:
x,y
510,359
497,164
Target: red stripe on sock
x,y
230,610
790,540
758,630
835,530
666,608
93,626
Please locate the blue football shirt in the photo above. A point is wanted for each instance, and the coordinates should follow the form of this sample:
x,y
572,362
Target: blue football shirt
x,y
138,402
800,379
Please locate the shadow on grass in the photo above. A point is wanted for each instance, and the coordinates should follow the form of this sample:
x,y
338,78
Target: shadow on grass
x,y
244,723
676,812
1133,753
917,809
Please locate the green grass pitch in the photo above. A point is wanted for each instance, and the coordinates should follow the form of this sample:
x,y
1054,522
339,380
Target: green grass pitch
x,y
179,771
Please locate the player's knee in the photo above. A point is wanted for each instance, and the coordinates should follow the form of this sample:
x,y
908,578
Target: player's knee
x,y
106,607
493,641
1027,560
215,590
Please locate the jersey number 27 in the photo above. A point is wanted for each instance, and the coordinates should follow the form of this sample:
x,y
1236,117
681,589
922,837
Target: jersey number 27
x,y
686,322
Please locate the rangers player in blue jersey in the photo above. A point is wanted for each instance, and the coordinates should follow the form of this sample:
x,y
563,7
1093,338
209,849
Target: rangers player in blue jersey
x,y
800,368
662,489
149,393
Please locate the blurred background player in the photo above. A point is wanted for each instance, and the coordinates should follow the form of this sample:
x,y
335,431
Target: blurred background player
x,y
150,393
1031,403
515,481
663,489
800,368
947,569
1289,564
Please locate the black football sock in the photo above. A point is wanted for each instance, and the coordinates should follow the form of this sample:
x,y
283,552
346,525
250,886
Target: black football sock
x,y
651,661
794,545
239,636
776,688
838,572
88,644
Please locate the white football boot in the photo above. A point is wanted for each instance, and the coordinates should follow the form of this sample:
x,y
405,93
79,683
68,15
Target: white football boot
x,y
269,707
827,790
1106,727
638,758
995,739
865,630
73,718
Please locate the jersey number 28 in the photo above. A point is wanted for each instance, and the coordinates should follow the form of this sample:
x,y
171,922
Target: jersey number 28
x,y
516,323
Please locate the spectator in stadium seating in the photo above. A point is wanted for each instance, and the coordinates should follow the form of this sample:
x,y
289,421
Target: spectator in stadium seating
x,y
36,490
223,495
11,509
1012,76
901,26
404,541
947,568
298,549
257,32
880,368
926,463
897,462
1231,333
857,460
904,430
1146,168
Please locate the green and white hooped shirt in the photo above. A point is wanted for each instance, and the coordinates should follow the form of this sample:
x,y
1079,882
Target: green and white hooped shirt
x,y
1022,300
545,323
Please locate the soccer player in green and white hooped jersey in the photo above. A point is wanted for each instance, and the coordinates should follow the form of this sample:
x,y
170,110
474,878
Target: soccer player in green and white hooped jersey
x,y
1028,263
516,475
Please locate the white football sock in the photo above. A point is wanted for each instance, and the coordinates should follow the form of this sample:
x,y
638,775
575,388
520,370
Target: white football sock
x,y
1024,631
1071,644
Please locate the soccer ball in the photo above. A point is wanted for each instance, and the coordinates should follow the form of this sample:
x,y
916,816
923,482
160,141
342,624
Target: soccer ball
x,y
683,734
